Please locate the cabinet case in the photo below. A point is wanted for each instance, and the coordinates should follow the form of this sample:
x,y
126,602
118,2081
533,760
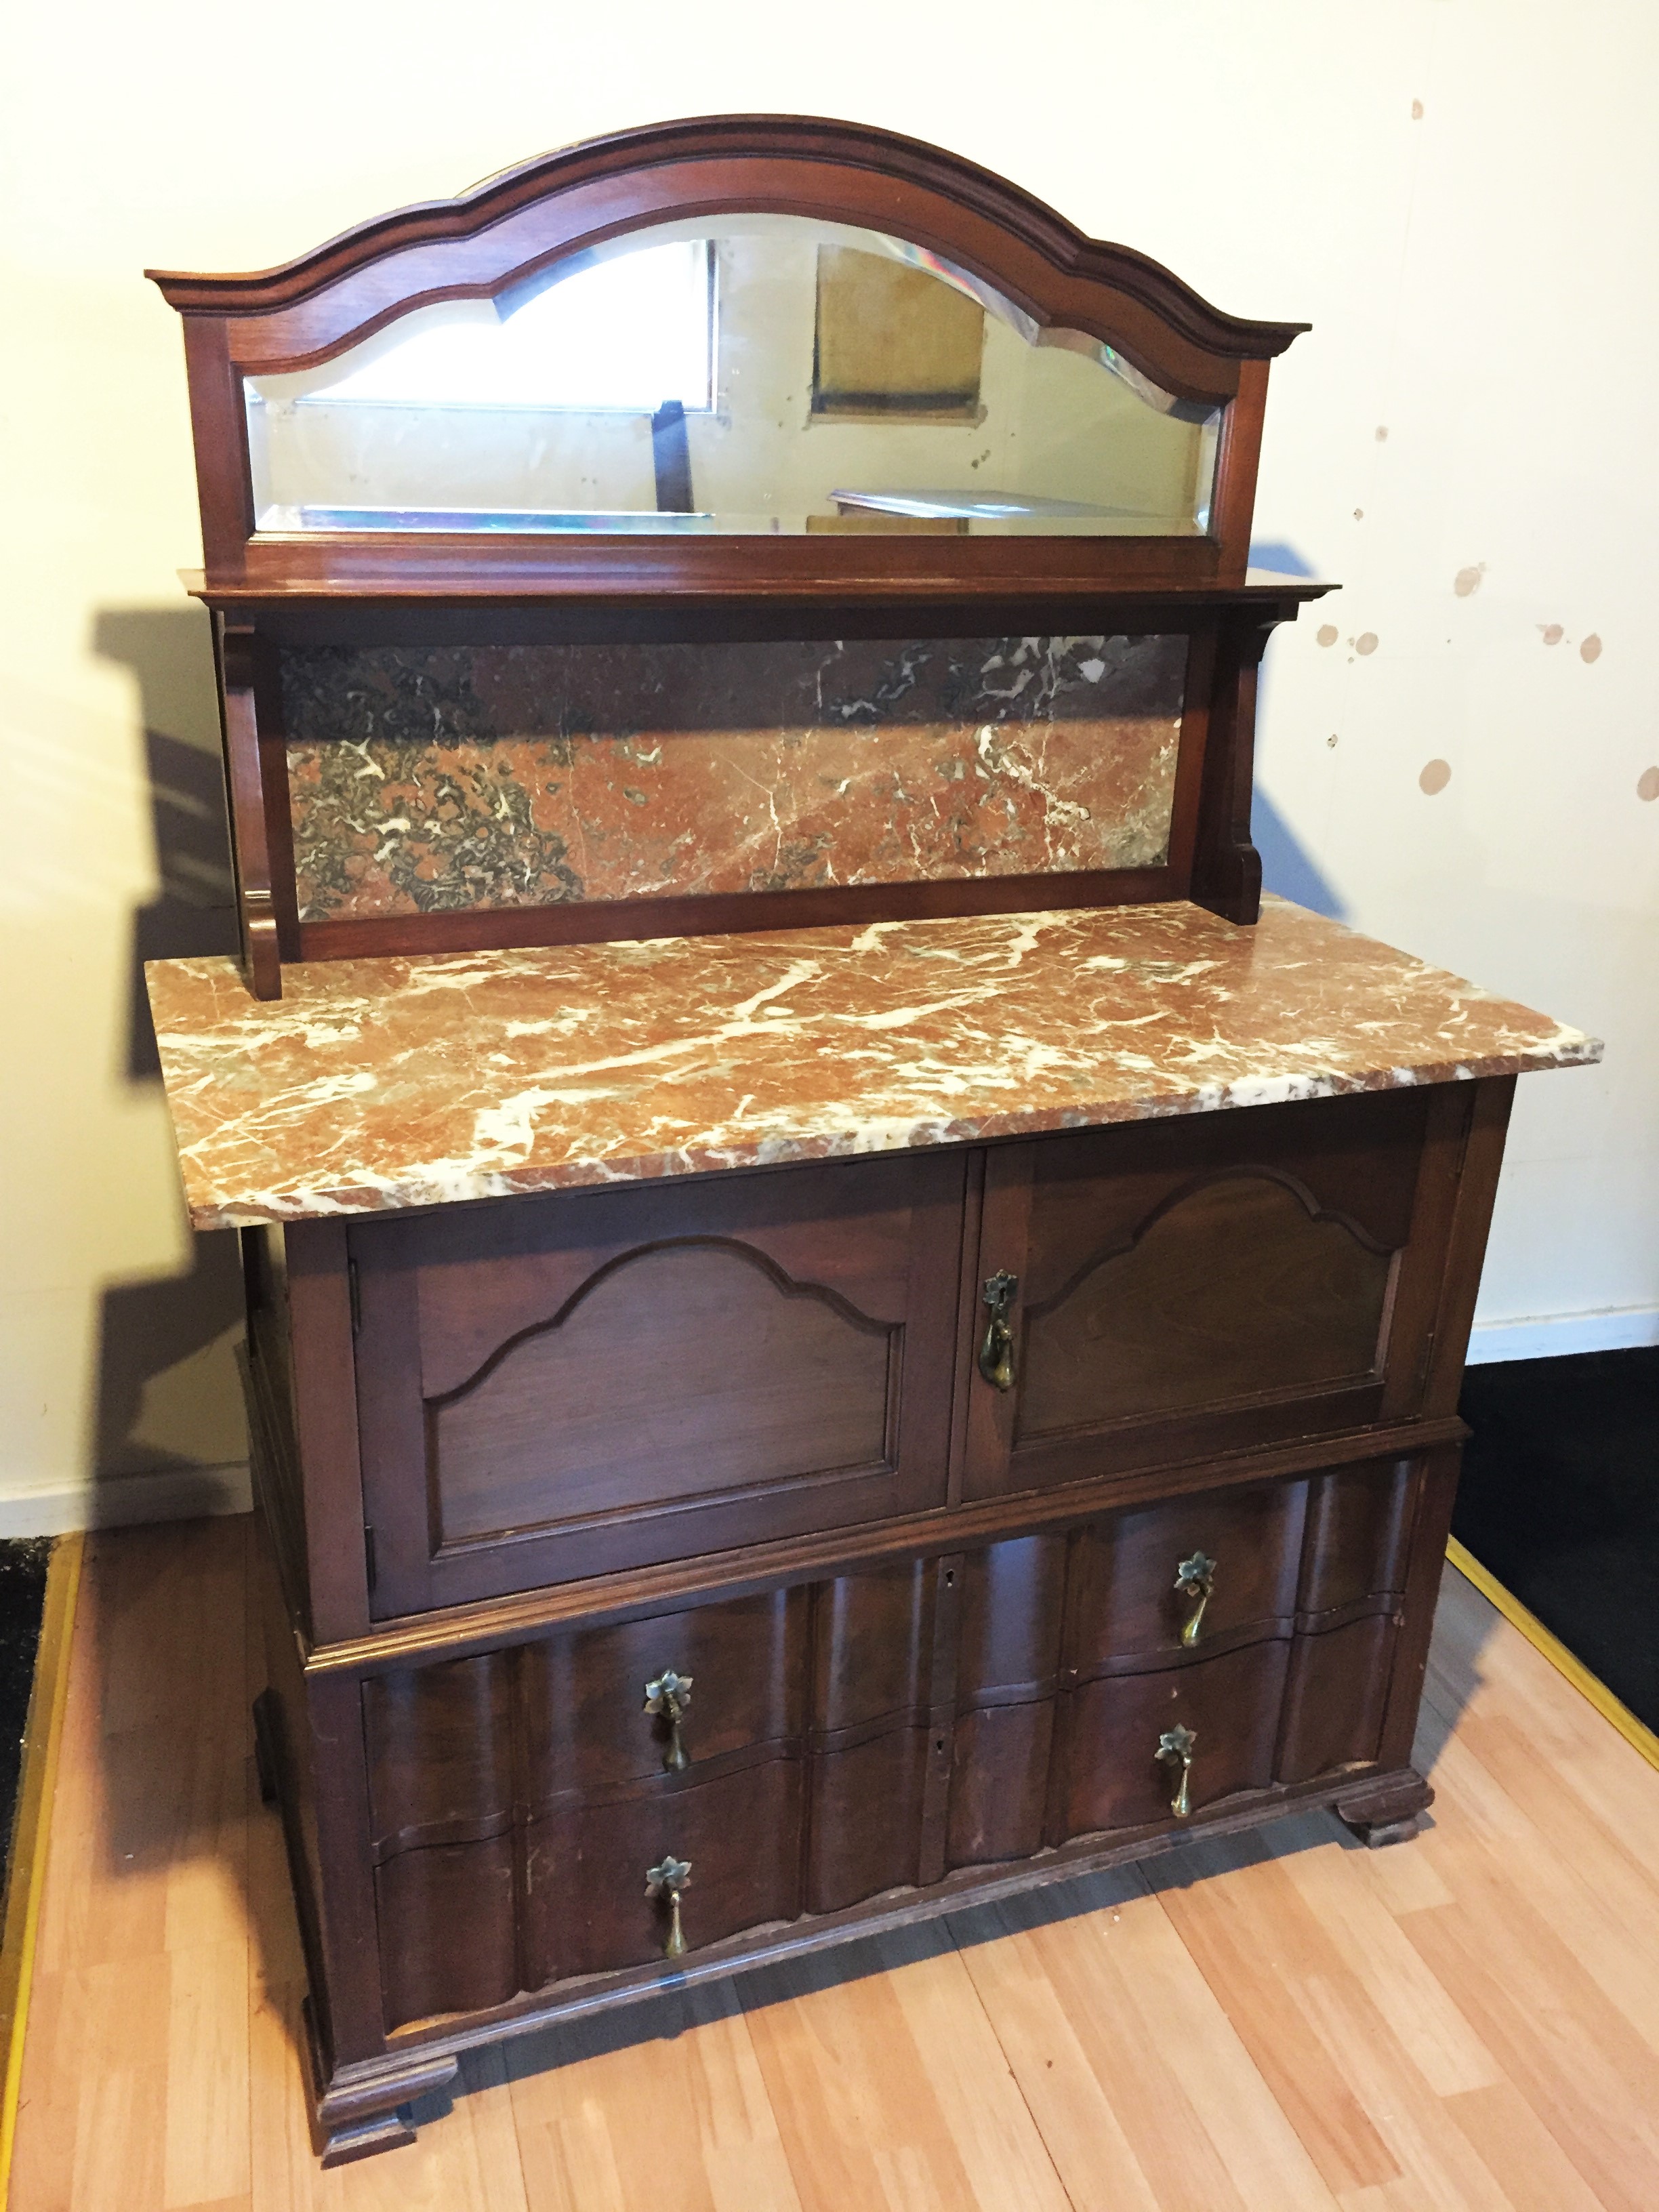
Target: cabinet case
x,y
671,1574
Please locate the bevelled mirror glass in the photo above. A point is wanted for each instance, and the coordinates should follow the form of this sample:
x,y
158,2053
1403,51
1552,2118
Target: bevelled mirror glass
x,y
743,374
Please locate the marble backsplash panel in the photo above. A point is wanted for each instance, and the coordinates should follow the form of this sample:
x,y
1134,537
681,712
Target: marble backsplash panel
x,y
434,778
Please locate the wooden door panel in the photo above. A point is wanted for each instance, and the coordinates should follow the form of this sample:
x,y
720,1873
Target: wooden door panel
x,y
1125,1601
1109,1773
1235,1288
699,1341
555,1388
586,1909
1210,1283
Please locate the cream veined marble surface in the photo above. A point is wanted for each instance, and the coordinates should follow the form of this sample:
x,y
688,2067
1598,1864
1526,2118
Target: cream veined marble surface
x,y
402,1082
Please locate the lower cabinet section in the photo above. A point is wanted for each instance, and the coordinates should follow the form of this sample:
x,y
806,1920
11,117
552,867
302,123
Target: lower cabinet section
x,y
589,1801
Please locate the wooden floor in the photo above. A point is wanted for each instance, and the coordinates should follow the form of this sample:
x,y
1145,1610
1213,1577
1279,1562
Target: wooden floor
x,y
1283,2023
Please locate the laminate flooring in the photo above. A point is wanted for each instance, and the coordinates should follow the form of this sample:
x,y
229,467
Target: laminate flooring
x,y
1284,2022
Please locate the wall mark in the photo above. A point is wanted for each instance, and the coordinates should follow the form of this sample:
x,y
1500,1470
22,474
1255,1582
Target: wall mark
x,y
1466,581
1381,434
1647,784
1553,633
1417,111
1327,633
1366,642
1591,648
1435,775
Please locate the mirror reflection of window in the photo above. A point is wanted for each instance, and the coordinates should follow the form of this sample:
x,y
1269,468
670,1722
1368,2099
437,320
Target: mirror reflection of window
x,y
618,336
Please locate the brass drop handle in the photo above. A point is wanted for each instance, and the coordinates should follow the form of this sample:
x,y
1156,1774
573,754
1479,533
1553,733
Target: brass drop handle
x,y
667,1881
996,1352
1174,1748
1195,1577
666,1698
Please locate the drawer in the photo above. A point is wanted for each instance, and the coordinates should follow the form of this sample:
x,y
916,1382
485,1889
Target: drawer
x,y
550,1389
1110,1774
1172,1289
586,1692
588,1905
1211,1569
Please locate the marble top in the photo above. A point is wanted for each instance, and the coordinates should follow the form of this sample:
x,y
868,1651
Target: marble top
x,y
402,1082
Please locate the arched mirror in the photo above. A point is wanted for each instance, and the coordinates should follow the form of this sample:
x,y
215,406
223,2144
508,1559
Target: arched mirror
x,y
751,373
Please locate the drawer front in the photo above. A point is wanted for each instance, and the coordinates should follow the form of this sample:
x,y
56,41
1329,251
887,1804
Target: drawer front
x,y
843,1739
1210,1283
1070,1645
1185,1576
1112,1773
610,1705
589,1906
552,1388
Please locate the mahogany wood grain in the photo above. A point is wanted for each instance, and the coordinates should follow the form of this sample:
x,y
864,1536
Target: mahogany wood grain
x,y
1257,1276
1107,1773
1335,1696
748,1356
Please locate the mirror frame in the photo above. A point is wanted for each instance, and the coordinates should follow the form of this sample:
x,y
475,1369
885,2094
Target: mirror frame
x,y
508,228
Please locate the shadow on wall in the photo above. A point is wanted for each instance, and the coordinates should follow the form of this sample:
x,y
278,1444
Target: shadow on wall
x,y
165,1397
1286,868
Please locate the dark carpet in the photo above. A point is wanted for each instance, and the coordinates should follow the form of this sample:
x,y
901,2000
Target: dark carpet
x,y
22,1594
1560,1499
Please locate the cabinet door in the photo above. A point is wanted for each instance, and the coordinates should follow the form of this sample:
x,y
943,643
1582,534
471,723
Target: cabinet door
x,y
1209,1283
555,1388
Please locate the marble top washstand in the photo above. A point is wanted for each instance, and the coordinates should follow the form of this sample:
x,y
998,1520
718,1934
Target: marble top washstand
x,y
404,1082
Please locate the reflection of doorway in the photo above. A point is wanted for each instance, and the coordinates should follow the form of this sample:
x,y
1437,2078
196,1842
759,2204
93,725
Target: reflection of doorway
x,y
892,340
1559,1502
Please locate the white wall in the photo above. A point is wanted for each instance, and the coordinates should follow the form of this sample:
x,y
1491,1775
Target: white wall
x,y
1478,279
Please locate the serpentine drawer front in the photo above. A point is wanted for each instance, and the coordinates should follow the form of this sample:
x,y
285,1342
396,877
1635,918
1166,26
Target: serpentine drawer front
x,y
587,1802
603,1379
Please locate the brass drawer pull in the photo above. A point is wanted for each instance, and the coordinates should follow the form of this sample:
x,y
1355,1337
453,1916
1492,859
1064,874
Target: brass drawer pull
x,y
996,1352
667,1881
666,1698
1174,1748
1195,1577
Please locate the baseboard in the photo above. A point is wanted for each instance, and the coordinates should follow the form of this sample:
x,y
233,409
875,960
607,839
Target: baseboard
x,y
1551,1336
166,1493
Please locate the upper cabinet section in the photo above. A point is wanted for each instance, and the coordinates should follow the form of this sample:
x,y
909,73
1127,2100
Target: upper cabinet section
x,y
746,356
